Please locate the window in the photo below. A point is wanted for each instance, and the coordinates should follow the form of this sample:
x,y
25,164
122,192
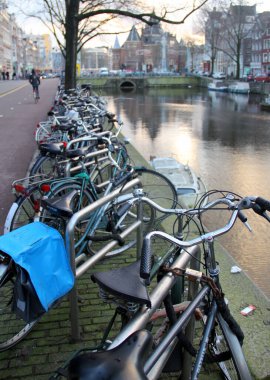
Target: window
x,y
266,44
265,57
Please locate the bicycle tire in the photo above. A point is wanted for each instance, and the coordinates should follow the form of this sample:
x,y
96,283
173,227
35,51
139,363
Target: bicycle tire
x,y
12,329
158,187
226,341
44,133
24,210
78,202
121,222
46,167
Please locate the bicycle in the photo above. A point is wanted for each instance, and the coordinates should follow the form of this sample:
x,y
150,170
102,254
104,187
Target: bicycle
x,y
115,213
36,94
142,353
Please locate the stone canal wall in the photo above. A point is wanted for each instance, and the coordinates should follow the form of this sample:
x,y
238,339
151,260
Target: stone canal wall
x,y
163,81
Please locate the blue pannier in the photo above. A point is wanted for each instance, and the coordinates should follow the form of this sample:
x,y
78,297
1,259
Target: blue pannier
x,y
40,250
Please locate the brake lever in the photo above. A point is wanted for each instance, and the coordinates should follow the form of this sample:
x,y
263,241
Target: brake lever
x,y
243,219
256,208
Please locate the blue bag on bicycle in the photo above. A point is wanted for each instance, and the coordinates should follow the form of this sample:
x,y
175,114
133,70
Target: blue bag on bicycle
x,y
40,251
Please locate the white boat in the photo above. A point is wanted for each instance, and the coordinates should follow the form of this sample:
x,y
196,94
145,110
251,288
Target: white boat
x,y
239,87
265,105
217,86
188,185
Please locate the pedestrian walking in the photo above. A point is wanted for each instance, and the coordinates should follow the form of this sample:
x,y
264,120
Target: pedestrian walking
x,y
7,75
3,75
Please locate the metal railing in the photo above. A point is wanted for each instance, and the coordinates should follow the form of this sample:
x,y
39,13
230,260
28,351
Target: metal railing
x,y
91,261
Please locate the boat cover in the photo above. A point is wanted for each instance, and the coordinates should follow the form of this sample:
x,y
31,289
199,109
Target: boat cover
x,y
40,250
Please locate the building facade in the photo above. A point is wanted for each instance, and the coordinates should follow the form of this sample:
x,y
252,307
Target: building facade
x,y
239,30
19,52
151,51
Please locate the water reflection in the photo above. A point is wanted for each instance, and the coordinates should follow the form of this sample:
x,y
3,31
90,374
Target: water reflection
x,y
224,137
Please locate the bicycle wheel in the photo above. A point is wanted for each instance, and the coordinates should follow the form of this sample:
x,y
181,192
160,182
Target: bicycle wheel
x,y
117,218
25,210
158,187
81,198
46,167
12,329
35,96
226,343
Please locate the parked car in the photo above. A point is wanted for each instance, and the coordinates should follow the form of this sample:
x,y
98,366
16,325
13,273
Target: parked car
x,y
103,72
219,75
262,78
206,74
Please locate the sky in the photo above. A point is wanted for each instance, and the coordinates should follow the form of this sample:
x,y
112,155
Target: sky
x,y
34,26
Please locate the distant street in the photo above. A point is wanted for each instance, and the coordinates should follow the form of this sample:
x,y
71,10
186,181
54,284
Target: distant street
x,y
19,116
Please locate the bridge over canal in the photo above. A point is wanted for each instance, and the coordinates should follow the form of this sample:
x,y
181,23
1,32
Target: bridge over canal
x,y
133,82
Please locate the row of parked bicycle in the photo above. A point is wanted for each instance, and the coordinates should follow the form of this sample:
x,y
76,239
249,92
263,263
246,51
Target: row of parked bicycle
x,y
84,181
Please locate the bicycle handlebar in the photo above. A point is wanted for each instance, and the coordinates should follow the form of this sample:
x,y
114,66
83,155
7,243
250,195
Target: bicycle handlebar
x,y
258,204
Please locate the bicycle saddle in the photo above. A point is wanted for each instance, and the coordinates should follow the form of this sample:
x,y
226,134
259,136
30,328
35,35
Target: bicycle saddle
x,y
60,206
124,362
53,148
125,283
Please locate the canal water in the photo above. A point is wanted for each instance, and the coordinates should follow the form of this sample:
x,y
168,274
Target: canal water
x,y
225,138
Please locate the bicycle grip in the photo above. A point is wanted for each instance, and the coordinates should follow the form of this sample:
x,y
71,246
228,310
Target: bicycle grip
x,y
263,203
146,259
123,209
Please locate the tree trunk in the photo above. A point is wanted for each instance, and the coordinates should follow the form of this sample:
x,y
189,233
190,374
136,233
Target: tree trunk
x,y
212,65
238,57
72,25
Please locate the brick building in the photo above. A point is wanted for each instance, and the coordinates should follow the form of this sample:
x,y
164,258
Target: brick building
x,y
153,50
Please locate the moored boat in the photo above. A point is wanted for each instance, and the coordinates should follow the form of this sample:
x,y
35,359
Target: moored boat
x,y
188,185
239,87
265,105
217,86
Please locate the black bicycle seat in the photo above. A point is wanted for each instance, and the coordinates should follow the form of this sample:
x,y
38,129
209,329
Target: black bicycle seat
x,y
53,148
60,206
125,283
124,362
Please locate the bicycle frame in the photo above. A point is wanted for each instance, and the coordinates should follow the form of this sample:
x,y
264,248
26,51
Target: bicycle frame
x,y
157,360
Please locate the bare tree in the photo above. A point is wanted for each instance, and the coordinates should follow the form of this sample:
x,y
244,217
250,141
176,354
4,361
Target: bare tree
x,y
237,25
209,23
226,29
76,22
